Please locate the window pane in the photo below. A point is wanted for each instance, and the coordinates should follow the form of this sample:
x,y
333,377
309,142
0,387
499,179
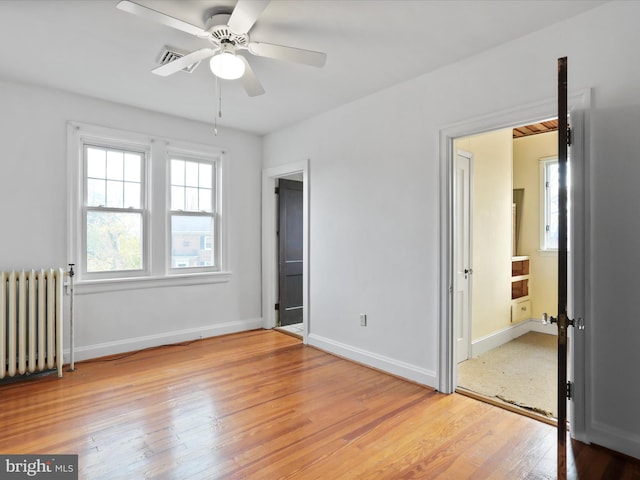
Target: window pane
x,y
191,174
177,172
131,195
189,244
132,162
177,198
552,206
115,165
96,163
205,199
114,241
191,199
95,193
114,194
205,175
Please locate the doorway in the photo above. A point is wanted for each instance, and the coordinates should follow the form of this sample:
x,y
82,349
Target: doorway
x,y
271,177
579,104
508,357
290,263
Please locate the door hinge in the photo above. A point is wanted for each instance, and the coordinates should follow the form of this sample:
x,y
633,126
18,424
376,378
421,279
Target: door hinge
x,y
569,390
569,136
277,190
277,306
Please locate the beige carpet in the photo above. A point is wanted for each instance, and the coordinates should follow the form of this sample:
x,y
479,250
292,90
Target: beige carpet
x,y
522,372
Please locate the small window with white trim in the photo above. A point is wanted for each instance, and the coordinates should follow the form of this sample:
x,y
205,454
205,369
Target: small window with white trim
x,y
549,206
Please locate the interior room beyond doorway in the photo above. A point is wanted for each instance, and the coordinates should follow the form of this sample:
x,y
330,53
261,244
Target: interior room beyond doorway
x,y
512,272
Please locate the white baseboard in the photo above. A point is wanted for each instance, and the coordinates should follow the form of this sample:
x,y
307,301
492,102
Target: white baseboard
x,y
615,439
380,362
132,344
495,339
536,325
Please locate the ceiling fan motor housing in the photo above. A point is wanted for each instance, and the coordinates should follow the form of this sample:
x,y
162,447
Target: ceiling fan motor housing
x,y
221,34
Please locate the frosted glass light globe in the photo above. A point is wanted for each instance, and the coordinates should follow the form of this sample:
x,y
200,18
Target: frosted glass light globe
x,y
227,66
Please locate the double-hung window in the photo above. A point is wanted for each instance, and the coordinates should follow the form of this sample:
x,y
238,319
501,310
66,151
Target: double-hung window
x,y
114,211
193,224
144,210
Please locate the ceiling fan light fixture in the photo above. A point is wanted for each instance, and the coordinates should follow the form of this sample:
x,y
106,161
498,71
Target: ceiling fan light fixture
x,y
227,66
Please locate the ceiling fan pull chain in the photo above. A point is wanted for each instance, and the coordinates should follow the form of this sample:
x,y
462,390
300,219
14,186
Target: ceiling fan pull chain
x,y
219,113
219,83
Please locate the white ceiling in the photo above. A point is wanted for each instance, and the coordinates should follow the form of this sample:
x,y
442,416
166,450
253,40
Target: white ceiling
x,y
90,47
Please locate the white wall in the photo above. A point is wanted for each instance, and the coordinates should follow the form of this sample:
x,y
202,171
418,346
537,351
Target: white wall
x,y
543,285
375,205
33,196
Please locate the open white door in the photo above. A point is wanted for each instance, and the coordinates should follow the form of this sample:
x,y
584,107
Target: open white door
x,y
462,256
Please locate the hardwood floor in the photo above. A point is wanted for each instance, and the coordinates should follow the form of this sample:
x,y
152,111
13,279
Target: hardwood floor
x,y
260,405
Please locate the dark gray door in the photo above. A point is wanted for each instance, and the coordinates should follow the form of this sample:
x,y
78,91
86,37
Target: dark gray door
x,y
562,320
563,220
290,216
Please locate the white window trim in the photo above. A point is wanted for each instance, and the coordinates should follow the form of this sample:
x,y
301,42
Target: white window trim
x,y
156,272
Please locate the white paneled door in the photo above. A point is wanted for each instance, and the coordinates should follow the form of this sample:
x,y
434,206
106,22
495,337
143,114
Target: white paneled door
x,y
462,255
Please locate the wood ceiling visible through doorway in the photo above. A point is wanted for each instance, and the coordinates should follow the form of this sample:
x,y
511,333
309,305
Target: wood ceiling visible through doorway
x,y
536,128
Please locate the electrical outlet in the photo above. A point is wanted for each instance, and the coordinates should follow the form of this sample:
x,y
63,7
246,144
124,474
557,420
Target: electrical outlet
x,y
363,319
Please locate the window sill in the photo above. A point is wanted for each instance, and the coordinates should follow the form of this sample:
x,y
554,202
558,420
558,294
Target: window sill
x,y
547,253
118,284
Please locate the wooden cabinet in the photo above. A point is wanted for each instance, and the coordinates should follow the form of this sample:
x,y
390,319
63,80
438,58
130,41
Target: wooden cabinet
x,y
520,276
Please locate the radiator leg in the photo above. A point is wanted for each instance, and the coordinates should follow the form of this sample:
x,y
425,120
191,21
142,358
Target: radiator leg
x,y
59,279
72,365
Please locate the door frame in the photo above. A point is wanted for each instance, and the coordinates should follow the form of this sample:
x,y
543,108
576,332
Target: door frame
x,y
579,306
270,177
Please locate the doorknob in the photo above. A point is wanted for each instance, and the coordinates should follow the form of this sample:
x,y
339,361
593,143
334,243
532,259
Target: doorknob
x,y
578,322
468,271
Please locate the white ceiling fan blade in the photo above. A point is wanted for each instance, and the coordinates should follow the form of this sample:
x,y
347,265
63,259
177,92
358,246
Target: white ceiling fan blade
x,y
250,81
149,14
184,62
245,14
290,54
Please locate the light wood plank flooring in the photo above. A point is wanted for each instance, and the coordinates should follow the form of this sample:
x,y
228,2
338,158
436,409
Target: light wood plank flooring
x,y
260,405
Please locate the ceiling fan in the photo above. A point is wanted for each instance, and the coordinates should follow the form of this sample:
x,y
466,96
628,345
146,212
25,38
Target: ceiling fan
x,y
227,33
